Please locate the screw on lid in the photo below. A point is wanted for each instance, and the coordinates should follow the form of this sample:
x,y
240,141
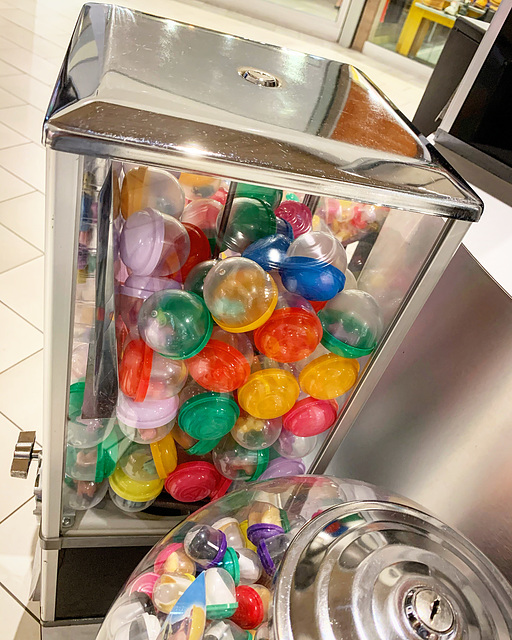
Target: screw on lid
x,y
192,481
202,447
165,456
309,417
289,335
208,416
268,252
129,489
219,367
269,393
231,564
312,279
135,369
387,571
329,376
262,458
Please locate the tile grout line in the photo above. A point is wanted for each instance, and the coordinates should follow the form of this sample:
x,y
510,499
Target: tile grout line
x,y
22,360
21,238
14,197
25,72
19,316
13,174
15,511
25,28
19,428
16,599
13,94
22,264
17,44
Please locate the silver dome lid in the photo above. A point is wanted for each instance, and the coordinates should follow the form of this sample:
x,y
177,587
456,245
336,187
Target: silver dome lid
x,y
383,571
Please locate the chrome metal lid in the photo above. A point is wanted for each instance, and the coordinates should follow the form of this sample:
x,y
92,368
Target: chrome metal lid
x,y
383,571
151,90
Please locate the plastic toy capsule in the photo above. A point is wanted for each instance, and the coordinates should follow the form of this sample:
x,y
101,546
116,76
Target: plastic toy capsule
x,y
281,467
250,220
225,630
315,266
269,252
310,416
240,295
168,589
272,550
205,545
176,324
198,186
256,433
153,244
225,362
352,324
264,521
193,481
194,282
144,374
270,391
292,332
220,594
327,376
297,214
291,446
149,187
252,606
270,196
130,495
206,415
84,433
146,422
231,529
173,559
238,463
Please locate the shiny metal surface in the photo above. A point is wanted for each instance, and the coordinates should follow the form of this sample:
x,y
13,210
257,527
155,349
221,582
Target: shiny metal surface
x,y
24,452
384,571
152,90
429,612
438,427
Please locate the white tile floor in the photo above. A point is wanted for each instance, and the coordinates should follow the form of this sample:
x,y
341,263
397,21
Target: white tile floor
x,y
34,34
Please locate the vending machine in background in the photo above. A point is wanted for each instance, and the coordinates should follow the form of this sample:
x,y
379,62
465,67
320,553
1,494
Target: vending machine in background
x,y
238,238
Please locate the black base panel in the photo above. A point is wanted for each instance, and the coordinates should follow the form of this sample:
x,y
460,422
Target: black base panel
x,y
90,578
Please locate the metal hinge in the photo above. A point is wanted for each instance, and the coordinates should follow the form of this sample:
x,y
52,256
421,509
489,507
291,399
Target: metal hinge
x,y
25,451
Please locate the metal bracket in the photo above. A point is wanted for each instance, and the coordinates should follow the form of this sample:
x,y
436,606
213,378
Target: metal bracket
x,y
25,451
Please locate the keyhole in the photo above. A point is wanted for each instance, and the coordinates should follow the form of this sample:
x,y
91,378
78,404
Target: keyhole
x,y
435,608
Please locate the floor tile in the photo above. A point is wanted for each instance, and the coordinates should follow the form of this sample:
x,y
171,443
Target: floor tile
x,y
15,251
25,216
22,290
26,161
8,99
24,340
30,63
25,38
13,384
18,540
12,187
15,491
17,624
7,69
26,120
10,138
28,89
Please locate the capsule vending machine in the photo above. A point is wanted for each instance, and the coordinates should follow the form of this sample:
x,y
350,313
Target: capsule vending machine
x,y
238,238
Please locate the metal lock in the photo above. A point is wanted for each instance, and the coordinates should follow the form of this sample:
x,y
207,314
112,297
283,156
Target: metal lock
x,y
25,451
